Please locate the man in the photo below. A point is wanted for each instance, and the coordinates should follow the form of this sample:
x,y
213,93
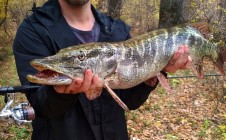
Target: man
x,y
64,112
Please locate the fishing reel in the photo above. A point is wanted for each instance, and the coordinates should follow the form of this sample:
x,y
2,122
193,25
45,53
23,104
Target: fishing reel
x,y
21,113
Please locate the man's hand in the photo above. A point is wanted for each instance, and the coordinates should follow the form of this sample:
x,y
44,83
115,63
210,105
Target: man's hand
x,y
79,85
180,60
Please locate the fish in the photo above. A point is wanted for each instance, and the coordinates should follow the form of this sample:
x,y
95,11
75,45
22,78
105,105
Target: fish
x,y
125,64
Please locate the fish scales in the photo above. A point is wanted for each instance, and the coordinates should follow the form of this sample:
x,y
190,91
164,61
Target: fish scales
x,y
156,52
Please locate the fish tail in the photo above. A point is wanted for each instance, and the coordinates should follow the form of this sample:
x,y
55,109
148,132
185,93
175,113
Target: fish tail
x,y
205,29
219,63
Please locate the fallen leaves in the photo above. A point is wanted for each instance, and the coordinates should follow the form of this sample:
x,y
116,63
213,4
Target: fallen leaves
x,y
195,111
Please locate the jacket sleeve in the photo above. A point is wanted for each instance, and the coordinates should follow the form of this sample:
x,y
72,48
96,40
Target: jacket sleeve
x,y
27,46
136,96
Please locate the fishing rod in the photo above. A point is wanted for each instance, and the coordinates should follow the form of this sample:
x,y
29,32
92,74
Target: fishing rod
x,y
191,76
13,89
21,113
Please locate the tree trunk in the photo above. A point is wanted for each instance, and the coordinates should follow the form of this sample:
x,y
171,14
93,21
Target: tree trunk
x,y
141,15
222,21
114,8
171,13
102,5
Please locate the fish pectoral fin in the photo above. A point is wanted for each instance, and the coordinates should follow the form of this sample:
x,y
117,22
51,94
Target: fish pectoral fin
x,y
164,82
116,98
93,93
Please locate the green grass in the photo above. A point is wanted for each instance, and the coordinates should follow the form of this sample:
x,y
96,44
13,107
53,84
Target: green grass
x,y
206,124
171,137
20,132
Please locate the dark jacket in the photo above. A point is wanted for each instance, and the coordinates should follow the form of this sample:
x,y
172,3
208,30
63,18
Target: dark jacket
x,y
71,117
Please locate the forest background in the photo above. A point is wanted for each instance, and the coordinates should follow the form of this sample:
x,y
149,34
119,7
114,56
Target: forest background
x,y
196,110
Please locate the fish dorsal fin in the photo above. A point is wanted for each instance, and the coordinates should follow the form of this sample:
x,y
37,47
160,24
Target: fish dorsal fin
x,y
203,28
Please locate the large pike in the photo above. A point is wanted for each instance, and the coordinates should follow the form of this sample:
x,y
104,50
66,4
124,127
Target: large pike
x,y
126,64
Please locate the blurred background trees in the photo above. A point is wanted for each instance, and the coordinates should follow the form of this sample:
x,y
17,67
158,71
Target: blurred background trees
x,y
141,15
12,12
147,15
173,12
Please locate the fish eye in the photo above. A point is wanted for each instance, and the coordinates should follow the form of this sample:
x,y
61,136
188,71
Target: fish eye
x,y
81,56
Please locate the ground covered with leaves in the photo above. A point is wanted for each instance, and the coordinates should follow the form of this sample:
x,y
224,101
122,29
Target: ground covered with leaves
x,y
195,111
8,77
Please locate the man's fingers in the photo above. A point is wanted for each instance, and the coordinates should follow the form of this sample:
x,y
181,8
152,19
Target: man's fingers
x,y
80,85
74,86
183,58
60,89
180,60
177,55
188,63
69,88
95,82
87,80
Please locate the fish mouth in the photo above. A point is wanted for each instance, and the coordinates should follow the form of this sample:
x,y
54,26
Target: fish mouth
x,y
47,76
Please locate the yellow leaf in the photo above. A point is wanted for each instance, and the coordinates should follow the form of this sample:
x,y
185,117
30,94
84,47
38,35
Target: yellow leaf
x,y
222,127
224,115
158,124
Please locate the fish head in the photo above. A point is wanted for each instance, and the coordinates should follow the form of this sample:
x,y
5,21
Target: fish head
x,y
71,63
